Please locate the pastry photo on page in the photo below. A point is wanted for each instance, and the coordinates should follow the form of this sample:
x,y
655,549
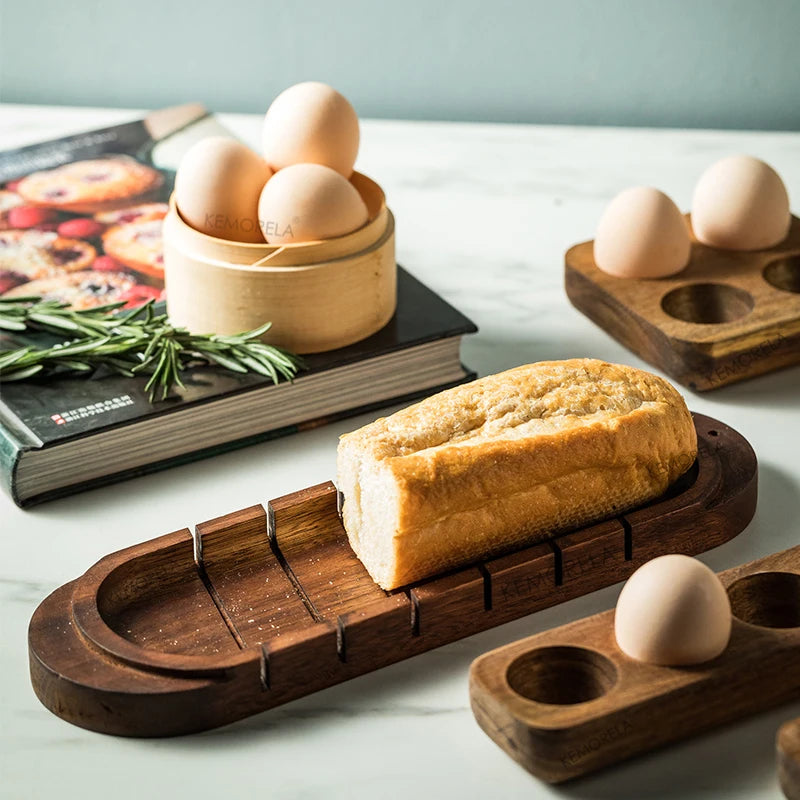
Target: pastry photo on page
x,y
93,203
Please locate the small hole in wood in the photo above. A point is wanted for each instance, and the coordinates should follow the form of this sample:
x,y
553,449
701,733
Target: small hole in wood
x,y
561,675
707,303
713,433
784,274
767,599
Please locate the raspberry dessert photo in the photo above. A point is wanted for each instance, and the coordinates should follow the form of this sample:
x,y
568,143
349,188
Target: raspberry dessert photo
x,y
91,186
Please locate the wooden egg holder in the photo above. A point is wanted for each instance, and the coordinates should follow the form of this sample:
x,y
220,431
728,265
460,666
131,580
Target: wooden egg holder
x,y
567,702
727,317
261,606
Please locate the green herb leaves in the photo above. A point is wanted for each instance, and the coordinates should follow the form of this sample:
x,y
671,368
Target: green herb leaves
x,y
135,342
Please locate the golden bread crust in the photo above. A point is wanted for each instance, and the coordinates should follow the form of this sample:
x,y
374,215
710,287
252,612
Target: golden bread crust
x,y
509,459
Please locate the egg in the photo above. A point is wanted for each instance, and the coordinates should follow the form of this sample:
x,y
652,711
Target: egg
x,y
217,186
673,611
642,234
311,123
740,203
306,202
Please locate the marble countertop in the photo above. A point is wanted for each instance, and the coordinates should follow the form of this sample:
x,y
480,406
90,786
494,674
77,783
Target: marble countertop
x,y
484,215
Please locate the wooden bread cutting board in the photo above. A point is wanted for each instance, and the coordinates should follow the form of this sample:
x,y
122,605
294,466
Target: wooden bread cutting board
x,y
187,632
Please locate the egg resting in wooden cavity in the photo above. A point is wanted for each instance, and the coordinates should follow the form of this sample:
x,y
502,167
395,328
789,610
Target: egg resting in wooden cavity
x,y
307,202
673,611
740,203
642,234
217,186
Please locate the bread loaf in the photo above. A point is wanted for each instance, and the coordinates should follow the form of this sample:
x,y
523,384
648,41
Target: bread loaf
x,y
506,461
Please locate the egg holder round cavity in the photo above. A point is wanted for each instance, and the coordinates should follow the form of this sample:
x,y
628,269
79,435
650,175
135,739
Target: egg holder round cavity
x,y
318,295
730,315
568,701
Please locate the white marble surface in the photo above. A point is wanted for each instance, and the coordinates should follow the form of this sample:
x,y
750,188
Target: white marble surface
x,y
484,214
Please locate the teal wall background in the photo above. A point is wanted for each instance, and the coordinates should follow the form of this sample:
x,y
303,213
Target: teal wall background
x,y
690,63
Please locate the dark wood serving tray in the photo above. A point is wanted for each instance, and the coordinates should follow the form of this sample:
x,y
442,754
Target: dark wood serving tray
x,y
262,606
568,701
727,317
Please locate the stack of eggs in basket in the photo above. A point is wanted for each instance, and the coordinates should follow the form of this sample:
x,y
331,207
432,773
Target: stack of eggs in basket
x,y
300,189
291,236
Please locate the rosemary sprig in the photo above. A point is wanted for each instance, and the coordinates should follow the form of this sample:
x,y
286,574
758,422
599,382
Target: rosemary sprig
x,y
135,342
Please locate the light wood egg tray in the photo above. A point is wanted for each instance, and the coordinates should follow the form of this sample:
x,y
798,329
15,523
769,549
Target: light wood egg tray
x,y
727,317
318,295
567,702
262,606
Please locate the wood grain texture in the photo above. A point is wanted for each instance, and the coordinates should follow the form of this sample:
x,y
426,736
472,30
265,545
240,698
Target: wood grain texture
x,y
267,605
248,583
307,531
788,752
567,702
727,317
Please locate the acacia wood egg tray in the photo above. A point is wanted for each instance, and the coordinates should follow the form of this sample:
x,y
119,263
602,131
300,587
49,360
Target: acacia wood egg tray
x,y
568,701
730,315
184,633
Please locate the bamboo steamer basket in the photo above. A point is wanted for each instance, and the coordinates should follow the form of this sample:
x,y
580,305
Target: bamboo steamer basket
x,y
318,295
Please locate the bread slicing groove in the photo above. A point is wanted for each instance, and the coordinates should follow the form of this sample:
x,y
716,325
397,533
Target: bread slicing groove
x,y
506,461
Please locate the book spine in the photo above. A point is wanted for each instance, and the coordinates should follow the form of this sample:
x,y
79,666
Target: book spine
x,y
11,449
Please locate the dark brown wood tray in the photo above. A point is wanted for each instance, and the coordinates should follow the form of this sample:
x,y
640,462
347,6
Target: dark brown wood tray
x,y
262,606
568,701
788,747
727,317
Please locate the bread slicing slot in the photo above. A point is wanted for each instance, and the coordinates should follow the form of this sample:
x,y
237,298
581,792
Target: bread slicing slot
x,y
487,587
220,606
628,537
276,551
558,563
247,579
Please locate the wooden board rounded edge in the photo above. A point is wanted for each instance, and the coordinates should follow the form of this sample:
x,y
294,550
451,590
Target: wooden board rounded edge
x,y
66,680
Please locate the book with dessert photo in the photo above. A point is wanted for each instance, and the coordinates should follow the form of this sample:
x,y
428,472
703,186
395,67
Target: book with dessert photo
x,y
82,223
